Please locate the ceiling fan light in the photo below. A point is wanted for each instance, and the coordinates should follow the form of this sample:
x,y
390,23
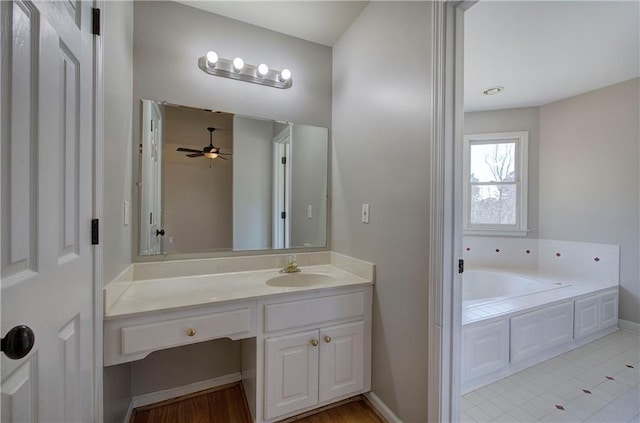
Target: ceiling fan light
x,y
211,155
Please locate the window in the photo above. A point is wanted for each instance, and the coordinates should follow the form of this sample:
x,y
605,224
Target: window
x,y
495,183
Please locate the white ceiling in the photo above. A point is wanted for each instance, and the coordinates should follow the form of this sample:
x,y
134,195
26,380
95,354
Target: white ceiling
x,y
321,22
539,51
543,51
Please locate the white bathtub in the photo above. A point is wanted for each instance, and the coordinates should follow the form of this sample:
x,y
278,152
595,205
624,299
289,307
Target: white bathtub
x,y
484,286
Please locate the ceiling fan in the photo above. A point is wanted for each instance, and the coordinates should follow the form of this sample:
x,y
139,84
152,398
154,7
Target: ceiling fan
x,y
209,151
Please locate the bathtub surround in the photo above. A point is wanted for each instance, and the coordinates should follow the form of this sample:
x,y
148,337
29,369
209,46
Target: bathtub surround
x,y
582,260
549,297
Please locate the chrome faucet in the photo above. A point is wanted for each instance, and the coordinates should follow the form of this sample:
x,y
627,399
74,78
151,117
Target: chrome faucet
x,y
292,266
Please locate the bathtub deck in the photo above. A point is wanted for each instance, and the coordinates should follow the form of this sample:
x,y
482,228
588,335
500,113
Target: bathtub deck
x,y
497,309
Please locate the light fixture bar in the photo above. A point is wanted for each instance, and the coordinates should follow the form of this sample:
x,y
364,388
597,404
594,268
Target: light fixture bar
x,y
247,73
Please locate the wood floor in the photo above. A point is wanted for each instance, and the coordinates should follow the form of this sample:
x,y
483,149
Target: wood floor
x,y
227,404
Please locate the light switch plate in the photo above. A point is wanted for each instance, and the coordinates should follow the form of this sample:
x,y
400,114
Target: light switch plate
x,y
365,213
126,213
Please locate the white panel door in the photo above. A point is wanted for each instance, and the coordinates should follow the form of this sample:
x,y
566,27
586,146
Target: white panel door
x,y
291,373
47,266
341,360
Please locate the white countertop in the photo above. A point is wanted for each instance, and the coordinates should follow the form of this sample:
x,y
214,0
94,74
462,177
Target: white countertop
x,y
153,295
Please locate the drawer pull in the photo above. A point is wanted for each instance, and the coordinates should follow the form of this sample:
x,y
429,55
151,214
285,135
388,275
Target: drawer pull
x,y
314,342
191,331
327,339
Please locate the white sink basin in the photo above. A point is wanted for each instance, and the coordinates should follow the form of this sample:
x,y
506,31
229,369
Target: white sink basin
x,y
299,279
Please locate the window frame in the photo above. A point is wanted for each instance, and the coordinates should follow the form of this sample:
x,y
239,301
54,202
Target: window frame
x,y
521,182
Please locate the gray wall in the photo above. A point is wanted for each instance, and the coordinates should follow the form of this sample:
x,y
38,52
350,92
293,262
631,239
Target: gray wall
x,y
590,177
252,183
512,120
180,366
118,150
309,185
380,155
118,145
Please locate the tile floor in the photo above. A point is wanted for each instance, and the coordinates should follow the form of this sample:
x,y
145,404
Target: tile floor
x,y
598,382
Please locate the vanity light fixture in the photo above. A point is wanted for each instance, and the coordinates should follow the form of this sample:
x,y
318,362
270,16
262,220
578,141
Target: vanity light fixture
x,y
237,69
263,70
212,59
238,64
493,90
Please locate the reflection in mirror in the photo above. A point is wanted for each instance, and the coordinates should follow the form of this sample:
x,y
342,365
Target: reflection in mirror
x,y
248,184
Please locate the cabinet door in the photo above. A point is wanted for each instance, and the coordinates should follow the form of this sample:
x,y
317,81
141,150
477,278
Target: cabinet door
x,y
559,324
341,360
586,321
291,373
527,335
608,310
485,349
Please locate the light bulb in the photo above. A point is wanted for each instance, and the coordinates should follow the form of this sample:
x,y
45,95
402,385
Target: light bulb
x,y
212,59
263,70
238,64
285,75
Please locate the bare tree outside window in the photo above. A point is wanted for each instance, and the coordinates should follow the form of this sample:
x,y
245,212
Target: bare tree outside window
x,y
493,183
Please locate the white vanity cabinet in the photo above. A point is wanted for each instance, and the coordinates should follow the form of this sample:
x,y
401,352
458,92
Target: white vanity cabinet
x,y
327,360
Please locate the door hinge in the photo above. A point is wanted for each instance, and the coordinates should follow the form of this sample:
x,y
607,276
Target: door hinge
x,y
283,215
283,160
460,266
95,232
95,21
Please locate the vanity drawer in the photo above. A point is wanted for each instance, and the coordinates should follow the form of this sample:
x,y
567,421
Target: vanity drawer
x,y
315,311
170,333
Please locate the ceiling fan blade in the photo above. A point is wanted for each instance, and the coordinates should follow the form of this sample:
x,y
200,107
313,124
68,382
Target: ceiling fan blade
x,y
224,154
195,155
223,158
189,150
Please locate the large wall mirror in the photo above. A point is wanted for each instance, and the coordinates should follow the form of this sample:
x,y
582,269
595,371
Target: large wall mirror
x,y
214,181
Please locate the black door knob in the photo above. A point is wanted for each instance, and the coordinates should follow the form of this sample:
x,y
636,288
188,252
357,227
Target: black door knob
x,y
18,342
160,232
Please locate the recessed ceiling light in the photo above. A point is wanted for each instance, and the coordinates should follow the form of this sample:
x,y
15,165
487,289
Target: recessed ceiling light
x,y
492,90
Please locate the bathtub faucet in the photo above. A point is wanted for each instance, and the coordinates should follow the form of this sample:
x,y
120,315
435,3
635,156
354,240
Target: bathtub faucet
x,y
291,267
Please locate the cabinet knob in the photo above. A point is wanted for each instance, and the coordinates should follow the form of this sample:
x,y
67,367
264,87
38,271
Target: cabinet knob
x,y
314,342
191,331
327,339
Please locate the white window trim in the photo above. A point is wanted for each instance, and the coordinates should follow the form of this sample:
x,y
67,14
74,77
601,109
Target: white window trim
x,y
522,150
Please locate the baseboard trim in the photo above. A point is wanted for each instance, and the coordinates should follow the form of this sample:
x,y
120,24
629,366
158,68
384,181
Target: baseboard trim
x,y
629,326
127,417
382,408
166,394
